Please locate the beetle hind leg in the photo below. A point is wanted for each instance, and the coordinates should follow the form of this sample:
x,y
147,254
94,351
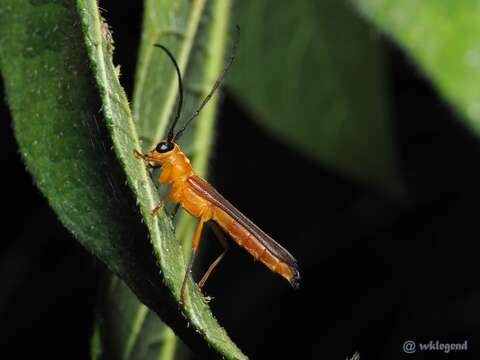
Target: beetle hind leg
x,y
220,236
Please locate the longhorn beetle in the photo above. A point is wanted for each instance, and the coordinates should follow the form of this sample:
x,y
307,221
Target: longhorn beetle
x,y
202,201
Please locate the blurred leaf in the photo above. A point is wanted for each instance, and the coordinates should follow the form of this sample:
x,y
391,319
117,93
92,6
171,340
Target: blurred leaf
x,y
96,344
57,104
174,24
199,50
442,37
312,74
128,329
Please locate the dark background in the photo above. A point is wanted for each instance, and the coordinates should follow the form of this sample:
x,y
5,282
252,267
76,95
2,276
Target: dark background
x,y
375,273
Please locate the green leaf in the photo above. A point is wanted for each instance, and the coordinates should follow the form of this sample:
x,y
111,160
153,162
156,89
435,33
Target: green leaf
x,y
127,329
96,344
76,134
442,38
311,74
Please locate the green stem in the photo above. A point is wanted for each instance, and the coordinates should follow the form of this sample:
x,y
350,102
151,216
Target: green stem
x,y
156,131
203,137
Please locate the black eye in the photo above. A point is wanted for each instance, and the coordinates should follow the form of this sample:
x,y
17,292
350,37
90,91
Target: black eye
x,y
164,147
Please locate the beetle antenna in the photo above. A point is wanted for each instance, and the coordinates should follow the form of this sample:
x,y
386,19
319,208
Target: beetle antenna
x,y
170,136
215,86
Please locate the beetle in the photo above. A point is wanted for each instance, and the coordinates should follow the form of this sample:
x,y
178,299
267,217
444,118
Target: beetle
x,y
201,200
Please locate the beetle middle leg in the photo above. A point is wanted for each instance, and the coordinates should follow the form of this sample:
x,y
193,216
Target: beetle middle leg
x,y
195,243
159,206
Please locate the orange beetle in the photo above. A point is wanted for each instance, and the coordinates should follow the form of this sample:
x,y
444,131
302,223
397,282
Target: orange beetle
x,y
202,201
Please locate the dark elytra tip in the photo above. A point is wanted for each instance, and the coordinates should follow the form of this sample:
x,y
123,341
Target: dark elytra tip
x,y
295,282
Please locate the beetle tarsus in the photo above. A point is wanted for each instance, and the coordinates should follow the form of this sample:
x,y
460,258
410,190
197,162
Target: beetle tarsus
x,y
138,154
157,208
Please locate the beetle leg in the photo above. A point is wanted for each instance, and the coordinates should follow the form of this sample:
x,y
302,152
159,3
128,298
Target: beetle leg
x,y
159,207
156,166
195,243
143,157
220,236
174,211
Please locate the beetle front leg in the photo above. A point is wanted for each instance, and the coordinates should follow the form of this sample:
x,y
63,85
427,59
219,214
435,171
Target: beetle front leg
x,y
143,157
139,155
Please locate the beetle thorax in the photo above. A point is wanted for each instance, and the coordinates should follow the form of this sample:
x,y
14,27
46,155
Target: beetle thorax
x,y
176,167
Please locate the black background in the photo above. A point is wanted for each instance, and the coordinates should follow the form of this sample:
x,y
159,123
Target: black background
x,y
374,273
